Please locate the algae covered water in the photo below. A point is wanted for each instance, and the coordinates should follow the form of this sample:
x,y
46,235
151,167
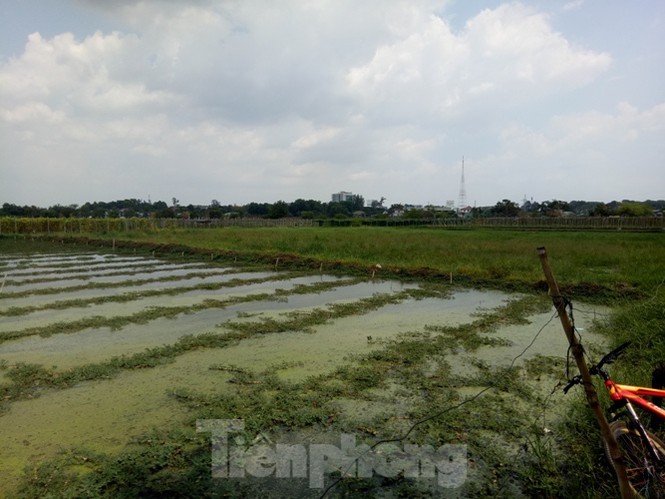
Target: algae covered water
x,y
98,350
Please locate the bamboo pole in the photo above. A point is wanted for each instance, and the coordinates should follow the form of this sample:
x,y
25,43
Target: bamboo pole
x,y
591,395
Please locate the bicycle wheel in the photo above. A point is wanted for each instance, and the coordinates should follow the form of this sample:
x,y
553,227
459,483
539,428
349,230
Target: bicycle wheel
x,y
646,478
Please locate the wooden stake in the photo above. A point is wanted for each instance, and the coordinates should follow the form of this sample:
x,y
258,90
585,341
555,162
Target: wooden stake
x,y
591,395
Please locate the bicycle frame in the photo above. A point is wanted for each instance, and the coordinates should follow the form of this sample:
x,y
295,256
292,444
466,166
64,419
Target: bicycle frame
x,y
623,395
619,393
647,460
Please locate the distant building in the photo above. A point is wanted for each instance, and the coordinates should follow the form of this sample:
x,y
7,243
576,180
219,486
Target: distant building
x,y
342,196
465,211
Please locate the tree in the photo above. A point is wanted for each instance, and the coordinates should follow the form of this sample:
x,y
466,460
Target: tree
x,y
583,208
12,210
476,212
215,209
395,209
532,207
278,210
418,214
300,206
505,208
336,209
378,204
358,203
257,209
64,211
554,208
634,209
600,210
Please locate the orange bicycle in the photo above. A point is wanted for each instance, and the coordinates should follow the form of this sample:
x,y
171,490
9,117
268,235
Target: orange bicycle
x,y
643,452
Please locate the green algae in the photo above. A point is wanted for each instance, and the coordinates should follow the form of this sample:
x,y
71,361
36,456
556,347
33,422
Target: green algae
x,y
355,361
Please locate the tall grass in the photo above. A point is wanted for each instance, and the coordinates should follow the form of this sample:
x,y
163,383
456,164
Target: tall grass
x,y
623,261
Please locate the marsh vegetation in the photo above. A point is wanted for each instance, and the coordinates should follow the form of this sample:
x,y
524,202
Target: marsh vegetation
x,y
304,338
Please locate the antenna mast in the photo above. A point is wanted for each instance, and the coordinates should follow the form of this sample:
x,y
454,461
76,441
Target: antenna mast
x,y
461,203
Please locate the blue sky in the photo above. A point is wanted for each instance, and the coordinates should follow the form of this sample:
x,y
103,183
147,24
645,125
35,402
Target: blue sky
x,y
254,100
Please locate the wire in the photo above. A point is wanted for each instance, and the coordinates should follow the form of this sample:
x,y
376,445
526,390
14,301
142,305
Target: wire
x,y
438,414
591,312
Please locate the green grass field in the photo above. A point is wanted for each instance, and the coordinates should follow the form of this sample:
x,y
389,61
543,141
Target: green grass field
x,y
613,261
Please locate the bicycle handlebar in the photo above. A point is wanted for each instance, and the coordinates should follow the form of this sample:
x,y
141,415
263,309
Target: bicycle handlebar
x,y
597,370
609,358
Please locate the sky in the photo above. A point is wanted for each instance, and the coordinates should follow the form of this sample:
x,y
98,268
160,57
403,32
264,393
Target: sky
x,y
259,100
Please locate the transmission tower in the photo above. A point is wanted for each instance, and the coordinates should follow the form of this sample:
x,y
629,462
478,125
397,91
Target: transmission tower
x,y
461,203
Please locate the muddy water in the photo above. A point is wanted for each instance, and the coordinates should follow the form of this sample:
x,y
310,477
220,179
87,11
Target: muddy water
x,y
329,345
224,275
45,317
96,345
65,281
104,415
60,274
551,340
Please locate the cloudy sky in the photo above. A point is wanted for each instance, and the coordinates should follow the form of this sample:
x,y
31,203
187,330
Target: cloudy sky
x,y
263,100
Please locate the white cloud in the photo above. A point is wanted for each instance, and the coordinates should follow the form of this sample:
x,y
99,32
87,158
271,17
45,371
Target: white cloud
x,y
585,131
263,101
627,123
574,5
609,153
517,43
30,112
503,52
90,76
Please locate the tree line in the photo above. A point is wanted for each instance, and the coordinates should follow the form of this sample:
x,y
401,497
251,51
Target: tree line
x,y
136,208
314,209
556,208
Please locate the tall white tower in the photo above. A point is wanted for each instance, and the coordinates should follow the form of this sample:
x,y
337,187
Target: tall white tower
x,y
461,203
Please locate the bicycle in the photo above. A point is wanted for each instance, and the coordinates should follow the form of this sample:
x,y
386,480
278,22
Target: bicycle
x,y
643,452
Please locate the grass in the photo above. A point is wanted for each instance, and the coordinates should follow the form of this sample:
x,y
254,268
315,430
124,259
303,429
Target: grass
x,y
584,263
512,453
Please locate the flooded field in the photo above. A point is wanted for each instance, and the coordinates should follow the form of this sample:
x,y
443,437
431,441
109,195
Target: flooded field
x,y
98,349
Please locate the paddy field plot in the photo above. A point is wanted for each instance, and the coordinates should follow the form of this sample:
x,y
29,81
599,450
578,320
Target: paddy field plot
x,y
98,349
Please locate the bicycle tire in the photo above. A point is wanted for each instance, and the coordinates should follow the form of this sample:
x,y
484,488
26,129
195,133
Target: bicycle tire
x,y
646,479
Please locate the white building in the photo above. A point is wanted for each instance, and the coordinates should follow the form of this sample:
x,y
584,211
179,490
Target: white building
x,y
340,197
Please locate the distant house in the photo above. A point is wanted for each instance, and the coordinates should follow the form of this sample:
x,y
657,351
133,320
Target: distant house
x,y
465,211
